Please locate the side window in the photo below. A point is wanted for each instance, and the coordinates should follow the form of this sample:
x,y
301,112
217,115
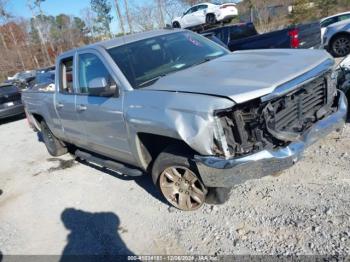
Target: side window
x,y
329,21
94,78
344,17
188,11
66,76
202,7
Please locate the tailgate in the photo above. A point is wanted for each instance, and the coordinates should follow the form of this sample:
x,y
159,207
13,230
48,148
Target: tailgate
x,y
310,35
275,39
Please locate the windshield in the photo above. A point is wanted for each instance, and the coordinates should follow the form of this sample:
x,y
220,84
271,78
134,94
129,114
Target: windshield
x,y
145,61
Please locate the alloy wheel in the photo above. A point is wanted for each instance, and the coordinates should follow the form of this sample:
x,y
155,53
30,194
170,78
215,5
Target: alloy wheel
x,y
341,46
182,188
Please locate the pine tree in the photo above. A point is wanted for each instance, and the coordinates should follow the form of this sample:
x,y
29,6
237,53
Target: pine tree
x,y
102,8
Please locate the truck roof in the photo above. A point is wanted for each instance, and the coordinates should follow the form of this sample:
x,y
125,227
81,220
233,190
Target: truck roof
x,y
123,40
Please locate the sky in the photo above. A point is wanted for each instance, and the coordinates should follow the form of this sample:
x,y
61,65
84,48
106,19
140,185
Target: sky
x,y
69,7
56,7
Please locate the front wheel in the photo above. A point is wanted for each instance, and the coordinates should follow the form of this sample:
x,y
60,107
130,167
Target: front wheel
x,y
178,180
176,25
340,46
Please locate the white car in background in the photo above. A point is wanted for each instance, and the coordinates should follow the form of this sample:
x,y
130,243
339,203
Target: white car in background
x,y
327,21
206,13
336,38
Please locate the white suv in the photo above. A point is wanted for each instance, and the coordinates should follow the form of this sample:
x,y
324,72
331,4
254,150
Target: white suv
x,y
327,21
205,13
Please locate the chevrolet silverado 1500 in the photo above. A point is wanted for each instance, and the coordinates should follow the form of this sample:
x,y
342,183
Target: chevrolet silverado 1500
x,y
180,107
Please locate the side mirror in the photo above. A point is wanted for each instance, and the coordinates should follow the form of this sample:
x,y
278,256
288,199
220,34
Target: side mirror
x,y
99,86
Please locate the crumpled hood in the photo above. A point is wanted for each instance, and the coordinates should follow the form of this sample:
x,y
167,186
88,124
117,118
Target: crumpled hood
x,y
244,75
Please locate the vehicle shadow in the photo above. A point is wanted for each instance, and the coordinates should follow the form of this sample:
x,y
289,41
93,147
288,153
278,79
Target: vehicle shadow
x,y
12,119
93,236
144,181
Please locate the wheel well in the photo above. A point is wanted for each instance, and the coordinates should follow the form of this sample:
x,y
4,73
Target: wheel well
x,y
176,24
152,145
38,118
339,34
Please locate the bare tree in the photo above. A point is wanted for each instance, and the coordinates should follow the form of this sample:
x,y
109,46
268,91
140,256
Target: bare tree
x,y
119,15
144,17
161,15
173,8
128,18
37,25
88,17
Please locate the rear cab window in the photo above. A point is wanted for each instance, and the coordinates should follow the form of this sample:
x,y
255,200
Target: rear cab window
x,y
242,31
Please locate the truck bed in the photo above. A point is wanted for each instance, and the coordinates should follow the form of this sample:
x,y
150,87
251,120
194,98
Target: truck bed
x,y
245,37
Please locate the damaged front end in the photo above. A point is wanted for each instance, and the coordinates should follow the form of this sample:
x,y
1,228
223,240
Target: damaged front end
x,y
269,134
257,125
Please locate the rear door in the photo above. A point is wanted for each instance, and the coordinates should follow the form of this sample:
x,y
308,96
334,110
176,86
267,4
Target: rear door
x,y
65,101
200,14
100,107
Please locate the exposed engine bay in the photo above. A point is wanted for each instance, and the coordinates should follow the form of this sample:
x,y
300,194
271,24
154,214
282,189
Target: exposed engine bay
x,y
255,125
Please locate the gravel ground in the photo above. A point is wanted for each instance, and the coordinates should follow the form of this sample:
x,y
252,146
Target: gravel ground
x,y
59,206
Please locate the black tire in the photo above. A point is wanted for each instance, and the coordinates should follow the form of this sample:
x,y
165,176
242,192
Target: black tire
x,y
184,181
210,19
340,46
54,146
218,195
176,25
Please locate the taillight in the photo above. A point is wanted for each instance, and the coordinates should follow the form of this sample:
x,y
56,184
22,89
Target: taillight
x,y
294,38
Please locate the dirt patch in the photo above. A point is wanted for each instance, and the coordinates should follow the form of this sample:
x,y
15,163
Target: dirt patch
x,y
62,164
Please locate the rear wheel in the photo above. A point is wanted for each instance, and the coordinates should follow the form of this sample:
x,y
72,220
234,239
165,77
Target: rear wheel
x,y
340,46
54,146
178,180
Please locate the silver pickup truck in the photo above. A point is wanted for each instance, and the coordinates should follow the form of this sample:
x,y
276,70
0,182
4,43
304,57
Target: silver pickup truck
x,y
183,109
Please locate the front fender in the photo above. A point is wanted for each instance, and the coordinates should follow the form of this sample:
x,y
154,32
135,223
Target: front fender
x,y
184,116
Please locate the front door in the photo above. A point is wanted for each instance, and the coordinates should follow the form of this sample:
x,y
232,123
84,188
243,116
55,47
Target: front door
x,y
100,108
189,18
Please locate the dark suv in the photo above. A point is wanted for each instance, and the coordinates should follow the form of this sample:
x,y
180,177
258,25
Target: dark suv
x,y
10,101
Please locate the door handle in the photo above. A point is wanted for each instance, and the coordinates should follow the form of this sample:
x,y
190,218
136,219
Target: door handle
x,y
59,105
81,108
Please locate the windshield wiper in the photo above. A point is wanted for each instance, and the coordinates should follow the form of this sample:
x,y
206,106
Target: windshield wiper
x,y
203,61
151,81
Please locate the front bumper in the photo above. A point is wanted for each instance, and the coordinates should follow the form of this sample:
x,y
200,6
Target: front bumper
x,y
11,111
220,172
